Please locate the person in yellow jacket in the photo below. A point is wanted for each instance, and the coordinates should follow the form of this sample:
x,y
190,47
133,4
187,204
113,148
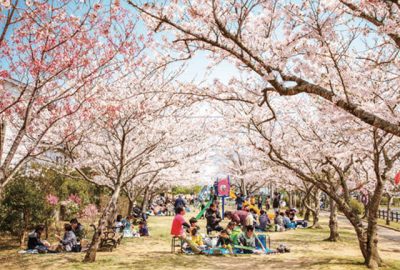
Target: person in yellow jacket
x,y
196,238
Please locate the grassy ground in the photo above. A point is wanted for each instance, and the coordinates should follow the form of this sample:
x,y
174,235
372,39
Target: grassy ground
x,y
393,224
308,252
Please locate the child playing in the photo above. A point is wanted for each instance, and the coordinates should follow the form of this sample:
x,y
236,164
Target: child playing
x,y
225,241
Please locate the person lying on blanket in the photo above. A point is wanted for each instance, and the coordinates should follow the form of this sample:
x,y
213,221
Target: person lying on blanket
x,y
177,229
247,239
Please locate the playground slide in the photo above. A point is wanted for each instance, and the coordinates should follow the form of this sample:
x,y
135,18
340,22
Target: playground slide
x,y
199,215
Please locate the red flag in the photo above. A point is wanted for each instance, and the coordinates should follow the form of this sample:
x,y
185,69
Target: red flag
x,y
397,178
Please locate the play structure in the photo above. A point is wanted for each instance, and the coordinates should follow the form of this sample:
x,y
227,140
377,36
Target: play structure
x,y
221,189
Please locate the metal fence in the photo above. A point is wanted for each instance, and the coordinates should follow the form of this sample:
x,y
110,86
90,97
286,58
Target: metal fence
x,y
393,216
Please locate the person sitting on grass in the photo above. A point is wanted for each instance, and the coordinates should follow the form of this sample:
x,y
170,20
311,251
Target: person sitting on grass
x,y
79,231
225,241
279,225
213,219
34,241
234,231
264,221
177,229
196,237
287,222
68,242
143,230
247,239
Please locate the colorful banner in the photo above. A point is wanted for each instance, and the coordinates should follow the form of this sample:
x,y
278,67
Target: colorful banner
x,y
223,187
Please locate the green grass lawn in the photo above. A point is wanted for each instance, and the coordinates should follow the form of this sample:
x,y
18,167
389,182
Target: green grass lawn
x,y
308,251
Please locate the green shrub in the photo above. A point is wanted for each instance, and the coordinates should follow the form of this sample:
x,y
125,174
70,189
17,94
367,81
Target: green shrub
x,y
356,206
23,206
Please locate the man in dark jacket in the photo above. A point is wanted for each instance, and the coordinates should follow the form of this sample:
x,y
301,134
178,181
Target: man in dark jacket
x,y
78,229
213,219
179,202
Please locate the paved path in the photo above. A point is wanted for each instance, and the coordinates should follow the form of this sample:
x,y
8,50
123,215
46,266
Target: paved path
x,y
387,235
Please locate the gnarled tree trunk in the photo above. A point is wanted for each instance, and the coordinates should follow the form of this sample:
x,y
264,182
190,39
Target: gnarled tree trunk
x,y
105,218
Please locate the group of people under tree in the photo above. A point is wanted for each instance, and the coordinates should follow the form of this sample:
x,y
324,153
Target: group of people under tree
x,y
71,241
74,238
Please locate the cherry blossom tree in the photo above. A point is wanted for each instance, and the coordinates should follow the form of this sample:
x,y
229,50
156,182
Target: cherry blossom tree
x,y
53,57
343,53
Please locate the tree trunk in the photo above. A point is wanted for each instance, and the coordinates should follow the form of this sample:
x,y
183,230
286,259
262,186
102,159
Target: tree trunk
x,y
105,218
25,228
366,211
373,260
145,199
2,180
388,209
290,199
130,207
316,224
333,223
368,243
2,140
316,210
307,215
